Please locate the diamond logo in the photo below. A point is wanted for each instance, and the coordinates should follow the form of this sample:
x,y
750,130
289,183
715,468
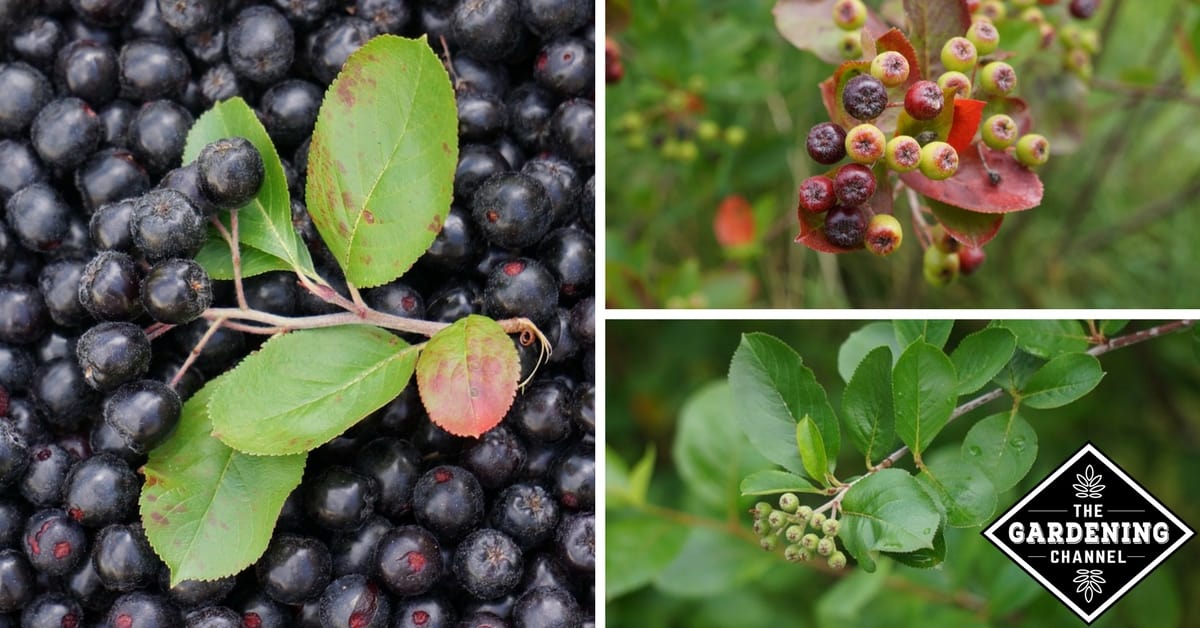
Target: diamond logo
x,y
1088,533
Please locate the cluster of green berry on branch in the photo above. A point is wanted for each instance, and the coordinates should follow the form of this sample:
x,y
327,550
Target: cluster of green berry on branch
x,y
679,128
1061,26
930,113
803,533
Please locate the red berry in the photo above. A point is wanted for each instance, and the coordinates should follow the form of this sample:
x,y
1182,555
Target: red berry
x,y
826,143
924,100
816,194
1084,9
970,259
854,184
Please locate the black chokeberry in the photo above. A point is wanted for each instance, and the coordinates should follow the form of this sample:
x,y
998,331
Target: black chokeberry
x,y
39,217
62,393
101,490
294,568
456,301
395,465
527,512
190,594
511,210
448,501
340,499
219,82
52,609
166,224
230,171
14,457
488,564
111,354
59,285
487,29
548,18
260,44
19,167
423,611
576,542
110,175
85,585
521,287
496,458
186,180
354,601
826,143
17,583
145,412
108,289
547,607
36,40
542,411
123,558
157,134
845,226
186,17
480,117
476,164
104,13
24,318
258,609
213,617
570,253
152,69
66,132
289,110
530,108
408,561
864,97
386,16
176,291
143,610
23,93
575,478
329,47
354,551
854,184
53,543
115,118
88,70
398,299
566,66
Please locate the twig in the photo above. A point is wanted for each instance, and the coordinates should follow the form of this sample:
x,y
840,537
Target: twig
x,y
920,225
1161,92
154,330
235,253
195,353
276,323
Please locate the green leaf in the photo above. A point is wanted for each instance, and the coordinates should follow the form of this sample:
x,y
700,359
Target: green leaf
x,y
265,223
888,511
637,548
981,356
1003,446
710,451
1019,369
860,343
1047,338
848,598
923,558
712,562
772,482
935,333
867,406
966,493
468,375
812,450
623,487
216,258
640,476
1062,380
923,394
1109,328
772,390
381,165
208,510
304,388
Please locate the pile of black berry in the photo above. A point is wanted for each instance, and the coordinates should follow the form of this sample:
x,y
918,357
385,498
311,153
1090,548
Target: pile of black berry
x,y
397,522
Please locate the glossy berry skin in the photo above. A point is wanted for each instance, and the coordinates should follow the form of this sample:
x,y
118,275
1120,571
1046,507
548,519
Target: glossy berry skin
x,y
959,55
527,513
354,601
448,502
231,171
1083,9
186,180
970,259
111,354
66,132
354,551
52,610
260,44
924,100
23,92
294,568
289,111
109,226
884,235
259,610
570,253
23,314
845,227
38,217
408,561
110,175
143,610
100,490
865,97
575,542
53,543
999,131
542,412
176,291
166,224
108,289
488,564
826,143
19,167
123,558
521,287
424,611
545,607
854,184
157,134
487,29
62,394
394,465
88,70
213,617
340,499
511,210
903,153
145,412
939,161
1033,150
151,70
14,455
496,458
575,478
17,583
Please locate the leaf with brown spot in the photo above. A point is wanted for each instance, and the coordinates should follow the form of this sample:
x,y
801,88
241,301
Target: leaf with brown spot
x,y
208,510
381,165
467,376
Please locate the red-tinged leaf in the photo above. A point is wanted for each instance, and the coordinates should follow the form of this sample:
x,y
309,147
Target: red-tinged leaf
x,y
971,188
968,113
734,222
931,23
812,235
808,25
1016,108
941,125
467,376
895,40
971,228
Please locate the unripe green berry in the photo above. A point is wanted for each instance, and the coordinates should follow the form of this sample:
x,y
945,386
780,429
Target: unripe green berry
x,y
817,520
999,131
777,519
688,151
631,121
865,143
890,67
851,45
1032,14
849,15
1033,150
837,561
939,267
762,528
984,35
789,502
636,141
939,161
804,512
993,10
761,510
959,54
998,78
1089,40
793,553
708,131
957,81
1079,63
1069,34
735,136
793,534
769,542
940,238
831,527
810,541
826,546
883,238
903,153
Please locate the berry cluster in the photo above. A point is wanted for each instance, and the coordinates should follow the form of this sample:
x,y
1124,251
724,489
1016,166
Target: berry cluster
x,y
103,334
677,128
1059,27
790,522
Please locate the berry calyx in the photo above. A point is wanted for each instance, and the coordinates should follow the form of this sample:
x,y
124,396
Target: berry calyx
x,y
804,512
826,546
891,68
959,54
761,510
864,97
1033,150
810,541
865,143
831,527
817,520
999,131
984,35
957,81
924,100
939,161
777,519
793,534
845,227
793,554
849,15
837,560
854,184
826,143
816,194
998,78
903,153
789,502
884,236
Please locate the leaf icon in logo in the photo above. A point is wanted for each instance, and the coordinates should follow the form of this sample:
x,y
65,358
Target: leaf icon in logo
x,y
1088,485
1089,581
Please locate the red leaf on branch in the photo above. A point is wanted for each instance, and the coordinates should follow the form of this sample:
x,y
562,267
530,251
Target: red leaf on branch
x,y
971,188
734,222
967,115
971,228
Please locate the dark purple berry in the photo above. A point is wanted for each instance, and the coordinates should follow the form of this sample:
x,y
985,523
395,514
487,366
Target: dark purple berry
x,y
826,143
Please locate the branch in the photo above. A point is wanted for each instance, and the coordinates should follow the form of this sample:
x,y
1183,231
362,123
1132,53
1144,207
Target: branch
x,y
273,323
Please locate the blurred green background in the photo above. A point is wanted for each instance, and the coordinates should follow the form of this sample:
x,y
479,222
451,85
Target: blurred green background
x,y
661,376
1118,226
